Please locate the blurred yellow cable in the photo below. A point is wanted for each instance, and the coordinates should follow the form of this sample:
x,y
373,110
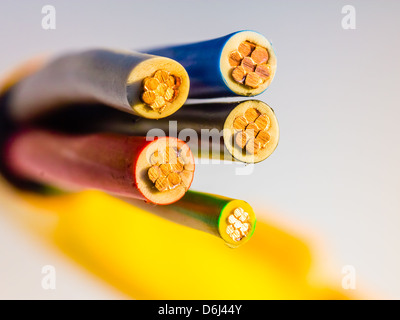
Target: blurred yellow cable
x,y
148,257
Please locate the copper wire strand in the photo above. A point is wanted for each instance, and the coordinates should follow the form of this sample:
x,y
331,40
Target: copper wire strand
x,y
250,64
238,224
160,90
168,169
252,130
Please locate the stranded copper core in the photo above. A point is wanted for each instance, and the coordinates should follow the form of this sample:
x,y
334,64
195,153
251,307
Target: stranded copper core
x,y
168,169
252,130
160,89
250,64
238,224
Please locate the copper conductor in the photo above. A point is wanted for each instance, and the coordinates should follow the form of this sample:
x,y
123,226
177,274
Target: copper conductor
x,y
174,178
245,48
154,173
240,123
162,184
171,81
263,122
159,103
252,130
249,64
259,55
160,89
238,74
151,83
238,224
169,94
161,75
253,80
251,115
252,127
234,58
263,71
149,97
165,169
262,138
168,170
241,139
